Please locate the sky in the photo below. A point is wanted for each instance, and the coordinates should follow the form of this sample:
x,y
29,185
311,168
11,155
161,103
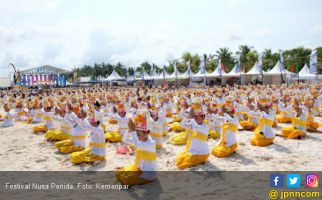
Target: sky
x,y
72,33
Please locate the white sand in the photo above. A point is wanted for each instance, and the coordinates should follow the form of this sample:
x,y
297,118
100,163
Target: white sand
x,y
21,150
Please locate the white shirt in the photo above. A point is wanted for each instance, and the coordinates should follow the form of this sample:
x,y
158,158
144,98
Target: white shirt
x,y
149,145
197,146
267,130
230,136
80,129
8,120
97,136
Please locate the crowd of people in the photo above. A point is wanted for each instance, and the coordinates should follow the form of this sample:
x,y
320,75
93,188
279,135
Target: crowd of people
x,y
77,120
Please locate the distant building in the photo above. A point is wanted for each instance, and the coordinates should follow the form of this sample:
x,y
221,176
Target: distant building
x,y
43,75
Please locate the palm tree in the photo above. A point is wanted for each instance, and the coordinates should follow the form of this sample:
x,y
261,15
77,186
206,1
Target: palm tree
x,y
225,56
269,59
243,51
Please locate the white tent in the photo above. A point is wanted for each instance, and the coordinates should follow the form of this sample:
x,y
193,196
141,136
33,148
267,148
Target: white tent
x,y
254,71
184,75
199,74
147,76
217,72
158,76
305,73
114,76
232,73
170,76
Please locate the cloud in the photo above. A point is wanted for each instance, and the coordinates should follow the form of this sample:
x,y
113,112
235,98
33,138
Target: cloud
x,y
263,32
317,30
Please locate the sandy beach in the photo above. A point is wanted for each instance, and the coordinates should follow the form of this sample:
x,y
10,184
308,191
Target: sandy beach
x,y
21,150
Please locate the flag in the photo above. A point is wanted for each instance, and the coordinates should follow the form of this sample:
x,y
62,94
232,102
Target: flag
x,y
313,62
260,64
292,68
219,67
238,68
296,68
175,69
202,67
188,68
223,67
282,67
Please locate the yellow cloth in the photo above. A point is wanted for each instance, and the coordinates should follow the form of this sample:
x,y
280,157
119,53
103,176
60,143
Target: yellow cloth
x,y
176,118
259,139
180,138
143,155
213,134
168,114
175,126
67,146
165,133
292,133
39,129
130,175
222,150
197,136
57,135
248,125
112,121
311,125
282,119
186,160
85,156
113,136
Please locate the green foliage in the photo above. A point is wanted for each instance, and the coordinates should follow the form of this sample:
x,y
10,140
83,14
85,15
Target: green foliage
x,y
248,56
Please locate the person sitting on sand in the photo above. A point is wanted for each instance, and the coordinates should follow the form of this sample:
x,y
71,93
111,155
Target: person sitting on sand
x,y
119,115
298,128
20,112
48,120
8,119
155,122
97,147
228,141
66,125
311,125
215,121
79,132
264,135
144,168
197,149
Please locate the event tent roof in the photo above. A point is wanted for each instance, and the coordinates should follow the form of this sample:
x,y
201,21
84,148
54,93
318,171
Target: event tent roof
x,y
114,76
254,71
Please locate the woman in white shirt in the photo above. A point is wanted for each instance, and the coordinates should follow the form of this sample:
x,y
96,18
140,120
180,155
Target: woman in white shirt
x,y
143,170
197,149
264,135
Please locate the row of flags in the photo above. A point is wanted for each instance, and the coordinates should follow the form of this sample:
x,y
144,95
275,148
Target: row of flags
x,y
31,79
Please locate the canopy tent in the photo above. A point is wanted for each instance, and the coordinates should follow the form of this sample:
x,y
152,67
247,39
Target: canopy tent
x,y
217,72
305,73
232,73
114,76
158,76
184,75
277,74
170,76
251,75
